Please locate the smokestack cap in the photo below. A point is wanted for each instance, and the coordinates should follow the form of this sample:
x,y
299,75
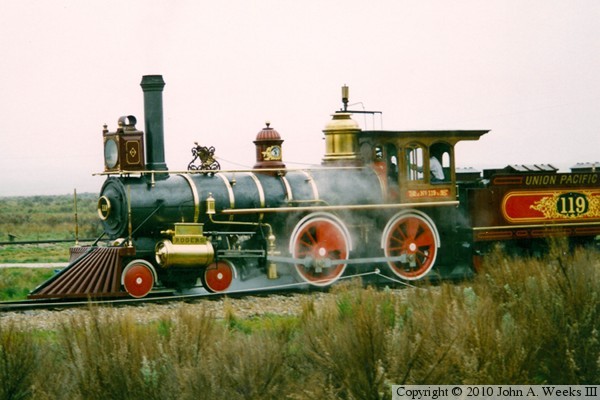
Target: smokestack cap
x,y
152,83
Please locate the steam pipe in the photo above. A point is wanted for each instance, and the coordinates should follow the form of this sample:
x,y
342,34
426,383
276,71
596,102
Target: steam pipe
x,y
153,85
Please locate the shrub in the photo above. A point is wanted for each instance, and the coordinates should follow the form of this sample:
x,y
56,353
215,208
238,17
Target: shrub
x,y
111,356
20,356
188,335
556,311
242,366
346,343
526,321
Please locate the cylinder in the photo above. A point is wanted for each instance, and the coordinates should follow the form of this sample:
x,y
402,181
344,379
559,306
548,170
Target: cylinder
x,y
184,255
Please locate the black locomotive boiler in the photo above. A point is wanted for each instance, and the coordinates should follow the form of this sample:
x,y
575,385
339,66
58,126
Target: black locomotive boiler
x,y
389,201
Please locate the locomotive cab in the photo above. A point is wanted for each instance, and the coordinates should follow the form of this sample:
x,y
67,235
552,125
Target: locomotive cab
x,y
418,166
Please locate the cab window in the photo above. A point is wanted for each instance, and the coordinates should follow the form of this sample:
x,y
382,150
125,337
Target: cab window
x,y
439,162
392,161
415,162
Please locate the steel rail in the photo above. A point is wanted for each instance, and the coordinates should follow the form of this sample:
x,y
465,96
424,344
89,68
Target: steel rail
x,y
163,296
47,241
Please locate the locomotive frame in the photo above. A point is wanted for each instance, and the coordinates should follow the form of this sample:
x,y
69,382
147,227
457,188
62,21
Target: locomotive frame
x,y
381,200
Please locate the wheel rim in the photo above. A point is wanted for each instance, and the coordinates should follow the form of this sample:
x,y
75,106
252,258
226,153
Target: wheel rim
x,y
323,240
218,276
138,279
414,238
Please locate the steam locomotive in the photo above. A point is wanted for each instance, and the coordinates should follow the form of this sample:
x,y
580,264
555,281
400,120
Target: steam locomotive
x,y
381,200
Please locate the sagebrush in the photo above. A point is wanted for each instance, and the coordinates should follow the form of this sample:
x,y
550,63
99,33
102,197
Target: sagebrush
x,y
520,321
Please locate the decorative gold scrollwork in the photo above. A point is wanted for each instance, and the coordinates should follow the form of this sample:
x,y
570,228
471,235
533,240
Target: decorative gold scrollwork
x,y
569,205
204,159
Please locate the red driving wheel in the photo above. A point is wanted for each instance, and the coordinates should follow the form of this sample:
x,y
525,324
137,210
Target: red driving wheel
x,y
218,276
324,240
413,237
138,278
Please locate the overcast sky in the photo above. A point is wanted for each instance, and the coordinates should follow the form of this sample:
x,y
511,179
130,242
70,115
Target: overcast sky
x,y
527,70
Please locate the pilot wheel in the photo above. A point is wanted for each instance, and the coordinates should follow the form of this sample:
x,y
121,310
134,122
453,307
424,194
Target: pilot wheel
x,y
138,278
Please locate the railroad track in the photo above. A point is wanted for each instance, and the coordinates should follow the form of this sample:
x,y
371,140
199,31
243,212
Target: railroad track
x,y
191,295
161,296
34,265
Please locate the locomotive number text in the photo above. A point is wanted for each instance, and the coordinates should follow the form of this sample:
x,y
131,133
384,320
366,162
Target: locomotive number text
x,y
572,204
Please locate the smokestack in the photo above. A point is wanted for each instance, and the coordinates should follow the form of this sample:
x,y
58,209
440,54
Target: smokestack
x,y
153,85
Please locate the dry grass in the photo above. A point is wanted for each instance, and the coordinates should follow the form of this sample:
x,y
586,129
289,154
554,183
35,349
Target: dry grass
x,y
20,357
525,321
110,356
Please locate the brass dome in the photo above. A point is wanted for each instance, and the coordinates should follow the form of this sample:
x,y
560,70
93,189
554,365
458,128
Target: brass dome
x,y
341,140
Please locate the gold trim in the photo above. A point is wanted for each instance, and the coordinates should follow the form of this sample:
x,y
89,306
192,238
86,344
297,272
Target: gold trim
x,y
203,172
547,225
546,205
76,217
103,214
288,188
340,207
261,193
195,195
229,191
268,153
312,183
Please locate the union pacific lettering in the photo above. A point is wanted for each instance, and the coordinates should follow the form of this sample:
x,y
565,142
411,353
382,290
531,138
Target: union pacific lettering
x,y
531,180
579,179
562,179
